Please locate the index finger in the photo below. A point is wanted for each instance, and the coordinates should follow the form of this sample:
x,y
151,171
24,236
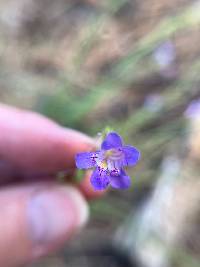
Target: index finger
x,y
35,144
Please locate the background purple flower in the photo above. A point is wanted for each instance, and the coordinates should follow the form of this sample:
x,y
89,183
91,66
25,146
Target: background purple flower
x,y
165,54
193,110
109,163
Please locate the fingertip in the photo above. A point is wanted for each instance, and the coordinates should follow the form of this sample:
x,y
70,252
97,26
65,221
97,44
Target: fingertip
x,y
55,215
76,142
80,138
43,145
37,220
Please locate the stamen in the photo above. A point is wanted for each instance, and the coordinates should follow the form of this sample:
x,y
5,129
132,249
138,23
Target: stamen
x,y
115,172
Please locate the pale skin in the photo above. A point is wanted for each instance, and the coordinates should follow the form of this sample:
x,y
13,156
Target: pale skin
x,y
32,151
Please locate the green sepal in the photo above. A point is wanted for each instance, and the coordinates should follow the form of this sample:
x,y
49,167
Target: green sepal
x,y
79,176
106,130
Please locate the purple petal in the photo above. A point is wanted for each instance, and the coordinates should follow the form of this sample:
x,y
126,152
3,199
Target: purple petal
x,y
131,155
99,179
86,160
193,110
112,140
165,54
121,181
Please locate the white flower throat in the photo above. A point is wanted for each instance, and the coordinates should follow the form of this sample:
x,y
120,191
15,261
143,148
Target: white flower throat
x,y
110,160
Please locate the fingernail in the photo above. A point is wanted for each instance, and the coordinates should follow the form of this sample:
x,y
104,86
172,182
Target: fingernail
x,y
55,214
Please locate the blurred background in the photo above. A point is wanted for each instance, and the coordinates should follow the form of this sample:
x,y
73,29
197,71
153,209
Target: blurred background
x,y
134,66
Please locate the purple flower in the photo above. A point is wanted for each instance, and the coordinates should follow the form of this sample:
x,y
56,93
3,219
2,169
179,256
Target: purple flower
x,y
109,163
193,110
165,54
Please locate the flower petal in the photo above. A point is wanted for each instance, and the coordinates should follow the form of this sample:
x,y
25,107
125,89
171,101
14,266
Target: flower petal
x,y
131,155
112,140
99,179
121,181
86,160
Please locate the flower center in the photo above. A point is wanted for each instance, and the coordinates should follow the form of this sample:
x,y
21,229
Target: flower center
x,y
103,164
110,160
114,158
113,154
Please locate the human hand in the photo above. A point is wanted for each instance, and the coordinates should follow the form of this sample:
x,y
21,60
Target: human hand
x,y
37,214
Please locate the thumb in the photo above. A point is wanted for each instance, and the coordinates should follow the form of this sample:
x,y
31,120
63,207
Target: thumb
x,y
36,220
